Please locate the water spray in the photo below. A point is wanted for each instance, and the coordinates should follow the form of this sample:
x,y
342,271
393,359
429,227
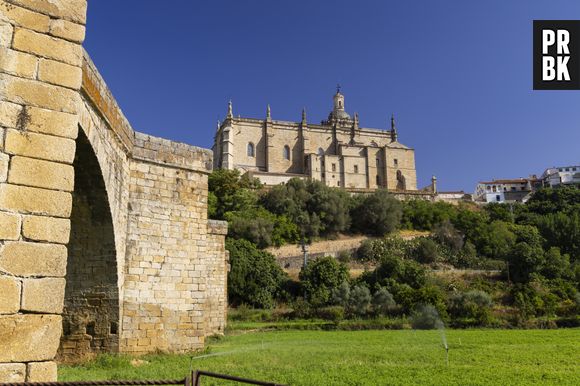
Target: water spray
x,y
446,355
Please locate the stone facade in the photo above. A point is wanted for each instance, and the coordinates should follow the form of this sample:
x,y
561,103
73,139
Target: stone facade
x,y
338,151
105,245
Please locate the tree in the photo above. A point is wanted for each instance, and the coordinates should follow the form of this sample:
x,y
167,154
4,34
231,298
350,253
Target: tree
x,y
426,251
494,240
378,213
320,277
563,231
360,300
255,278
446,234
525,259
383,301
473,304
229,192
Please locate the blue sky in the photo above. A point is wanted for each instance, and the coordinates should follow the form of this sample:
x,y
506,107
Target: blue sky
x,y
456,74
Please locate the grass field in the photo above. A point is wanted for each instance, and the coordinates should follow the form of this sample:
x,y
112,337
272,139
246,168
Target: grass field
x,y
476,357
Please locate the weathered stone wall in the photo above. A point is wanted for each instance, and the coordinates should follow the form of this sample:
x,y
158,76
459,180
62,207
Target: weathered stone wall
x,y
217,287
167,254
40,75
91,312
140,262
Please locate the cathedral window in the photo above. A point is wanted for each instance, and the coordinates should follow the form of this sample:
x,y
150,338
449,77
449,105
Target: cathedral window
x,y
378,162
286,152
251,151
396,161
378,180
356,168
333,167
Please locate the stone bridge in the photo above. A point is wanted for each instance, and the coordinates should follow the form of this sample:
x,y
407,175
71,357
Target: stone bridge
x,y
105,245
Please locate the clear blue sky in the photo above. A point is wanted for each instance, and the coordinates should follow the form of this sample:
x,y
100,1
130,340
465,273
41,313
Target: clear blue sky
x,y
457,74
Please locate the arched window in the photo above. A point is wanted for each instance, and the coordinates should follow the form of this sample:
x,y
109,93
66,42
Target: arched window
x,y
320,151
286,152
251,152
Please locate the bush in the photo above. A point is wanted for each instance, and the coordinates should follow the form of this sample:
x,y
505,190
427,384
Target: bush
x,y
341,295
261,227
426,251
320,277
473,304
383,302
426,317
254,278
360,300
378,213
396,269
376,250
447,235
331,313
314,207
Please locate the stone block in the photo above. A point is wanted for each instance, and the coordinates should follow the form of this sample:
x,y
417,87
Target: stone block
x,y
60,73
43,295
41,146
4,163
17,63
67,30
6,31
10,299
52,122
42,174
25,199
24,17
29,337
9,226
41,372
39,94
50,229
47,46
9,114
33,259
12,372
74,10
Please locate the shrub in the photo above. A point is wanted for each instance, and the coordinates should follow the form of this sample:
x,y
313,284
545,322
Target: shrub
x,y
254,278
378,213
399,270
360,300
341,295
426,251
320,277
426,317
376,250
447,235
473,304
332,313
383,302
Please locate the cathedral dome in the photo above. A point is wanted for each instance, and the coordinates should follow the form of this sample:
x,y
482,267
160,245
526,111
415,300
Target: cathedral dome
x,y
340,114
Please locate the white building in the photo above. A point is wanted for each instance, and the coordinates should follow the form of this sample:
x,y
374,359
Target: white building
x,y
510,190
564,175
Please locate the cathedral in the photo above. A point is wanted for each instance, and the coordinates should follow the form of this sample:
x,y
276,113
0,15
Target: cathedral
x,y
338,151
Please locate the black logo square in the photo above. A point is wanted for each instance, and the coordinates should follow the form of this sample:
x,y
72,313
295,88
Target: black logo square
x,y
556,55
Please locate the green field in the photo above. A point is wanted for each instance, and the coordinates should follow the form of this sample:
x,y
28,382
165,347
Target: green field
x,y
501,357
